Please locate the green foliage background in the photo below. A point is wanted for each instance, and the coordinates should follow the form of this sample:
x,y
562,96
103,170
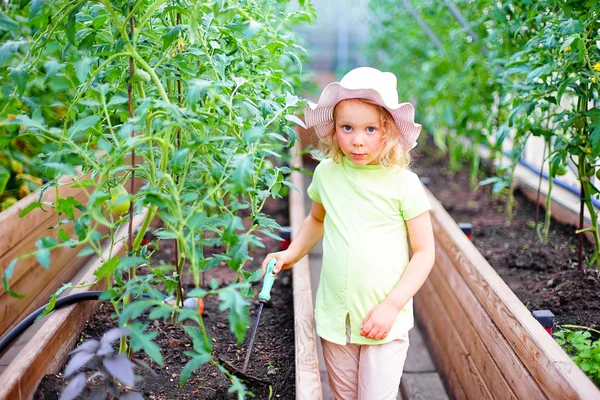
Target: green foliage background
x,y
203,93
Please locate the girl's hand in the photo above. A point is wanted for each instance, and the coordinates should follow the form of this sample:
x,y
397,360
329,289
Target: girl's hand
x,y
379,321
285,260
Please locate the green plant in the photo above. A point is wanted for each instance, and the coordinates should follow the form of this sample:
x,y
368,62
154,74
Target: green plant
x,y
583,350
518,69
196,99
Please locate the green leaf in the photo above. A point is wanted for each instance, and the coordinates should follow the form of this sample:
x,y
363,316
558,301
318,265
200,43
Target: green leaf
x,y
34,7
161,311
256,275
595,138
196,88
171,35
198,292
128,262
63,235
29,208
83,125
82,68
202,344
291,185
253,134
201,221
239,253
135,309
233,223
43,257
290,99
195,363
544,70
141,340
296,120
107,268
9,271
71,26
7,24
62,168
163,234
296,60
67,205
238,311
244,169
88,251
19,76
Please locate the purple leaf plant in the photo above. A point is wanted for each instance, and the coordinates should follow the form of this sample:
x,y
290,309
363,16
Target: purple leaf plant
x,y
110,367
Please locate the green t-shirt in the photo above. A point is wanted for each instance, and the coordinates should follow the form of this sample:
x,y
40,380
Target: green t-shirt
x,y
365,247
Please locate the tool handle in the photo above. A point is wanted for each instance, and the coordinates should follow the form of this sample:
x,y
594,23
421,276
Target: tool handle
x,y
265,293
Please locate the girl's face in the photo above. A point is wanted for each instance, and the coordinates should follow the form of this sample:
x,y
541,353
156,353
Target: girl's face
x,y
358,131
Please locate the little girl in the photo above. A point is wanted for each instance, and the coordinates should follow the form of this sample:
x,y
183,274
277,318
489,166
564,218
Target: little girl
x,y
366,205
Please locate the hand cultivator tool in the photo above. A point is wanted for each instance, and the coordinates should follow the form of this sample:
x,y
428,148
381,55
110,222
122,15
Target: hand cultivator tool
x,y
263,297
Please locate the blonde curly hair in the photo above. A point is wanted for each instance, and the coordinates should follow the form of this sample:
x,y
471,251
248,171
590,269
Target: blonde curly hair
x,y
392,155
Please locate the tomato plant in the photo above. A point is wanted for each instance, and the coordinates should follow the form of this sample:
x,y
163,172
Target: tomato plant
x,y
514,70
193,98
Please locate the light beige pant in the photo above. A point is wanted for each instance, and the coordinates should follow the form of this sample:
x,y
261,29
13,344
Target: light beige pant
x,y
365,372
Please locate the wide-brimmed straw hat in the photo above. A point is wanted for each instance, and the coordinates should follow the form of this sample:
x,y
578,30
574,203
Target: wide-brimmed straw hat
x,y
369,84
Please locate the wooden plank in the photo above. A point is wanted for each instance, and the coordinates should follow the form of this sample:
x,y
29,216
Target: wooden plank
x,y
49,348
555,372
450,337
65,274
32,282
308,379
484,361
518,377
14,229
27,245
440,355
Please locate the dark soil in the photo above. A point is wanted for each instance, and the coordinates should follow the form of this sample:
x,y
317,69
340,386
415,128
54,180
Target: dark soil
x,y
542,276
272,359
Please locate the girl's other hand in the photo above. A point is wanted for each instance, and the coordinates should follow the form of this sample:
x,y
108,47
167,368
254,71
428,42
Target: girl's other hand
x,y
379,321
285,260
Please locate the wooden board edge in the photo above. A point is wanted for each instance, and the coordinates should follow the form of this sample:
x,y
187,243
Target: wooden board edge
x,y
308,377
479,353
66,273
49,347
556,373
516,374
450,338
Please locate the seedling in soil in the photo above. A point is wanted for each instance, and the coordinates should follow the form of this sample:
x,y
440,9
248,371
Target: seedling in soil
x,y
109,367
582,349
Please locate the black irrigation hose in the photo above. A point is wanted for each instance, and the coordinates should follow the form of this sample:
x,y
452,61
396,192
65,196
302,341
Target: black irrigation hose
x,y
61,302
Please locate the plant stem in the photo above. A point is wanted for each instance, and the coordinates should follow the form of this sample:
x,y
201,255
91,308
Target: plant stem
x,y
548,198
537,201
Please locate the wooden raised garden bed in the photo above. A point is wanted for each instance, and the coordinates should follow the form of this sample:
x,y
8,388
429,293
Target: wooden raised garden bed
x,y
484,340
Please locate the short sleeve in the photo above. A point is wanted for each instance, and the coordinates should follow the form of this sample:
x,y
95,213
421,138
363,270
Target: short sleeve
x,y
415,201
314,187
